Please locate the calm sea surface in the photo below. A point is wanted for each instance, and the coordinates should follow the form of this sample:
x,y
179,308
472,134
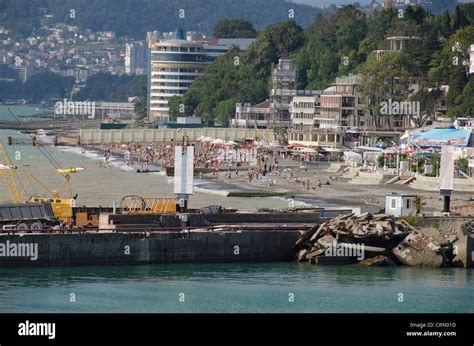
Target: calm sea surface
x,y
23,113
236,288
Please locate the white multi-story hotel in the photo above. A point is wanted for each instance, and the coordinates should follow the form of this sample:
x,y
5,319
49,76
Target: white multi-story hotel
x,y
174,64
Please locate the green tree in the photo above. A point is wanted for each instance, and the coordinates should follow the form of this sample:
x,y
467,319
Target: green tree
x,y
224,111
234,28
464,102
459,19
332,48
141,104
386,79
174,105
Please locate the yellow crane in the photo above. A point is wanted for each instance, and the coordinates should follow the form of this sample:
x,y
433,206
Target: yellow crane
x,y
7,171
62,206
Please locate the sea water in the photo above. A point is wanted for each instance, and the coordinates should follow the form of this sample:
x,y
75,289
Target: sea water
x,y
246,287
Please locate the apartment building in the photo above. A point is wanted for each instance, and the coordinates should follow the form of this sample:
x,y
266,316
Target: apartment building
x,y
274,112
136,56
283,90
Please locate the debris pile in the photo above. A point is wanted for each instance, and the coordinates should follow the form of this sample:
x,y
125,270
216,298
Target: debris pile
x,y
373,240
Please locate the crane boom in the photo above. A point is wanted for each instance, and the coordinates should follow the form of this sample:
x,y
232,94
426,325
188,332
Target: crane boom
x,y
8,175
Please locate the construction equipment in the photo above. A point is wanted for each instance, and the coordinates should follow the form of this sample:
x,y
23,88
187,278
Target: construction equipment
x,y
62,206
27,216
8,175
148,205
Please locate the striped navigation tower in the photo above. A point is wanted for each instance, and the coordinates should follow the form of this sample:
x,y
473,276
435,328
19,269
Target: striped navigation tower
x,y
183,173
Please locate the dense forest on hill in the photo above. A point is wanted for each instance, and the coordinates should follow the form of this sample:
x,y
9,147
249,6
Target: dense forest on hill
x,y
133,18
341,44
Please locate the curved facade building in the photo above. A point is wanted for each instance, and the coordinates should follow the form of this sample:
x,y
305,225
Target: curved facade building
x,y
174,64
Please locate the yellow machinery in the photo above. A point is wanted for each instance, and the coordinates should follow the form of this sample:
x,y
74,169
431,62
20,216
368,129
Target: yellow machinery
x,y
148,205
62,207
8,175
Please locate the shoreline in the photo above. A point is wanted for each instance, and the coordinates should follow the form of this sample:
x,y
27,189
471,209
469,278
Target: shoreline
x,y
338,192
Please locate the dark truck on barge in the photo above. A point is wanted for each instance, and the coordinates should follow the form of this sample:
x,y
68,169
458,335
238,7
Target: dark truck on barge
x,y
27,216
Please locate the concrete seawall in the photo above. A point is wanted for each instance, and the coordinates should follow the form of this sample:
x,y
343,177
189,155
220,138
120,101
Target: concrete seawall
x,y
143,248
432,184
159,135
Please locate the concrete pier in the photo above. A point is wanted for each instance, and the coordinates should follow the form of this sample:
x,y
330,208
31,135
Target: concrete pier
x,y
146,247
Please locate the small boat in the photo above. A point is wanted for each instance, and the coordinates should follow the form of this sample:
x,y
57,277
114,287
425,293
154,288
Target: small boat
x,y
71,170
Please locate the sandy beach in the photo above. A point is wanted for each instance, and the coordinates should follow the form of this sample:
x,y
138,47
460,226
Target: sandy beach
x,y
307,184
103,184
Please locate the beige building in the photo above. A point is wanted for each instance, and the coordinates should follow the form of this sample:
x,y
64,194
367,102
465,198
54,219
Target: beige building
x,y
340,105
275,112
308,127
251,116
283,90
323,119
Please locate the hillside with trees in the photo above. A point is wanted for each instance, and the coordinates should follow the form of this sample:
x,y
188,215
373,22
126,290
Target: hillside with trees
x,y
133,18
341,44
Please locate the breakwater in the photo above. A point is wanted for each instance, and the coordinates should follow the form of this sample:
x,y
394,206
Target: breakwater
x,y
100,248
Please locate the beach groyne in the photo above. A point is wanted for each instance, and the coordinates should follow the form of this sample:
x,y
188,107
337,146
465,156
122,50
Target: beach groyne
x,y
147,248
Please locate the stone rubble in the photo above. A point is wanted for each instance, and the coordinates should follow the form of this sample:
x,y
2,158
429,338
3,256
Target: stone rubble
x,y
385,241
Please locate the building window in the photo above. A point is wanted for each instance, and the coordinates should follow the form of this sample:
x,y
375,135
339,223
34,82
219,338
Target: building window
x,y
408,204
393,203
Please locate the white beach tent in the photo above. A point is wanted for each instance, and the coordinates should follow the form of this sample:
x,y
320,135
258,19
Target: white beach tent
x,y
353,158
